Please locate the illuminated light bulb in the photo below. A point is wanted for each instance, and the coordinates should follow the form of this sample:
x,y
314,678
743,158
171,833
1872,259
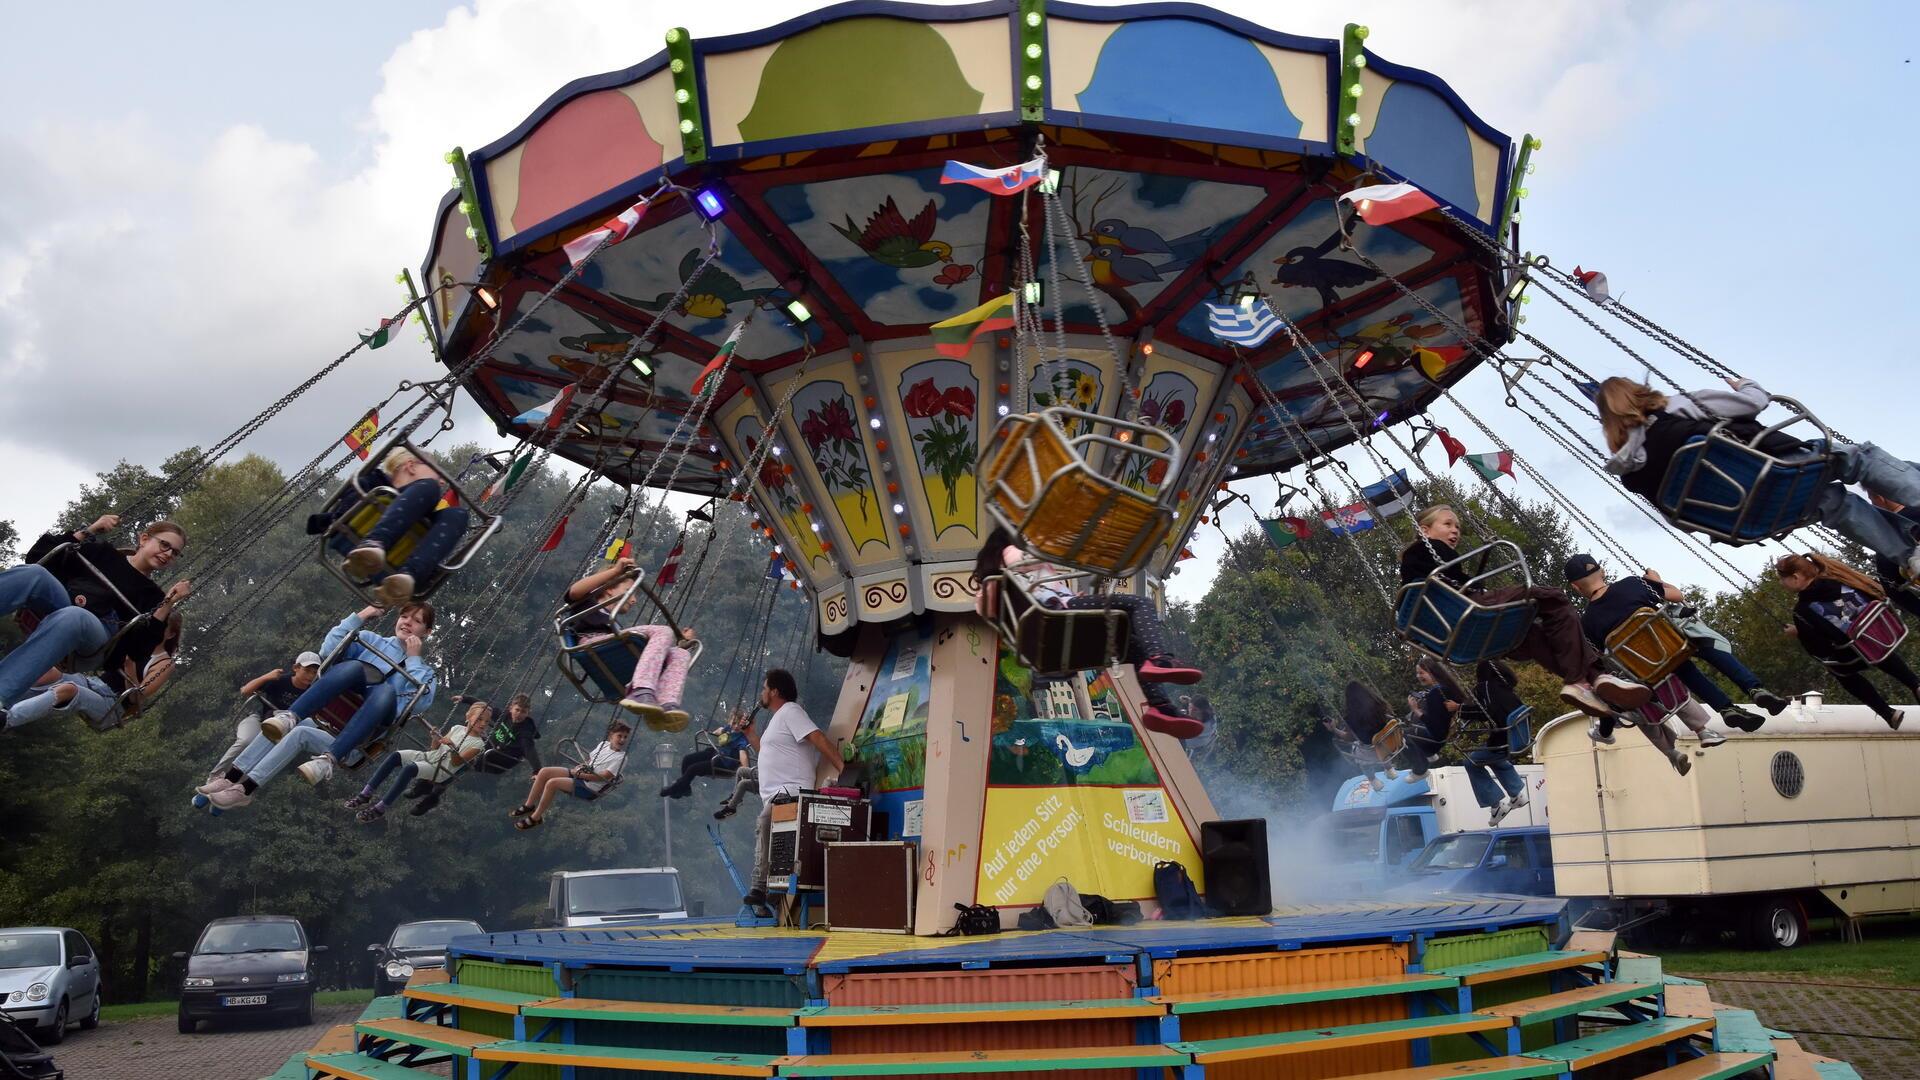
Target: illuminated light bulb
x,y
776,549
1147,349
673,36
1033,82
1031,292
1356,90
686,127
816,526
1516,217
1003,410
451,158
899,509
714,449
678,65
1232,470
1365,358
776,451
1519,318
1360,33
1353,119
1033,50
486,297
681,96
465,208
1522,191
874,423
472,233
400,278
1033,18
1212,435
1537,144
1359,60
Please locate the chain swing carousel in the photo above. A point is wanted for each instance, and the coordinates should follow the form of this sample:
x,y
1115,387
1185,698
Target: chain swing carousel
x,y
1133,199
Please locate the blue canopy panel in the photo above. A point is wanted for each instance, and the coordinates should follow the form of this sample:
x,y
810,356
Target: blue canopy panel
x,y
1194,149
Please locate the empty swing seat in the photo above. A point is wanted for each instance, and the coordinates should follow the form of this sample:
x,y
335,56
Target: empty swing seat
x,y
1438,618
1735,491
1648,646
1058,643
1042,484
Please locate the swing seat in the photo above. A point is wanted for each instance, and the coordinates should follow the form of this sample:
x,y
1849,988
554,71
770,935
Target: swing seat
x,y
1043,484
365,502
1390,741
1668,695
1648,646
1447,623
1055,643
1519,728
600,669
335,714
82,663
1876,631
1736,492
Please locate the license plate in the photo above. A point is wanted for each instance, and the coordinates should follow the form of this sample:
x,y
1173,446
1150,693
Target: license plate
x,y
245,999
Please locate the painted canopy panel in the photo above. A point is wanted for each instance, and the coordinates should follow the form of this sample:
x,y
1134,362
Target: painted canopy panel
x,y
1188,72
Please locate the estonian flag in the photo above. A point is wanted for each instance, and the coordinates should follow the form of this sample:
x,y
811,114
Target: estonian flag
x,y
1389,496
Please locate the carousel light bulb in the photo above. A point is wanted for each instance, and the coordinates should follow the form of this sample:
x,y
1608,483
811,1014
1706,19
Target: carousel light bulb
x,y
707,201
1360,33
465,208
681,96
1531,166
1033,82
1003,410
686,127
1033,50
1233,470
874,423
798,311
678,65
815,525
1212,435
450,157
1353,120
899,509
486,297
400,278
1521,191
1031,292
714,448
776,549
1359,61
673,36
776,451
640,365
1355,91
472,233
1033,18
1516,217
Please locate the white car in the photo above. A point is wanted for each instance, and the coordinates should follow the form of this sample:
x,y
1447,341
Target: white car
x,y
49,977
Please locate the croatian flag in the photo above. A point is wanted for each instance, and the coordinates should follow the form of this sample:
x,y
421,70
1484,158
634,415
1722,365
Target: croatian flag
x,y
1008,181
1237,324
1348,519
1384,204
552,414
613,231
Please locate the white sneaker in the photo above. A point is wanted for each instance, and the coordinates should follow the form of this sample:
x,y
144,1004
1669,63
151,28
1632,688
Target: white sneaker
x,y
1517,800
1682,764
1913,564
1711,738
1620,693
318,771
213,784
1500,810
1594,733
275,727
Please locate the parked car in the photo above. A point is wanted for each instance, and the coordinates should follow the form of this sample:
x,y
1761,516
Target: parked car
x,y
415,946
251,965
1515,861
49,978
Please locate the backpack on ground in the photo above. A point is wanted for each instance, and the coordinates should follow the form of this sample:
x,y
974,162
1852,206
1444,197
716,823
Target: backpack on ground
x,y
1174,889
975,919
1064,907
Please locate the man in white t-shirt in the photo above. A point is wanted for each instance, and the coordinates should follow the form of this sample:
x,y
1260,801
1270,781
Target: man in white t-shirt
x,y
789,752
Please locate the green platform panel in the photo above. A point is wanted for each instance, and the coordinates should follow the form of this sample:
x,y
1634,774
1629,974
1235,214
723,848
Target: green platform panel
x,y
693,988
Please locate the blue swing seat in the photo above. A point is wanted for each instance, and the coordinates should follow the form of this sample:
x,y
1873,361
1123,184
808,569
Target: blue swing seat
x,y
1733,491
602,669
1439,619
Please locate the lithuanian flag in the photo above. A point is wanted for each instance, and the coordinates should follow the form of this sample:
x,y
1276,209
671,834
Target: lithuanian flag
x,y
954,337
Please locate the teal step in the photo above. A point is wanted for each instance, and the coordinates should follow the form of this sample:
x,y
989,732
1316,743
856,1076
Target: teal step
x,y
1603,1046
362,1067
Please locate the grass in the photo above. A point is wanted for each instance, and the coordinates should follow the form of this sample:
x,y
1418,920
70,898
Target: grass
x,y
1890,955
137,1010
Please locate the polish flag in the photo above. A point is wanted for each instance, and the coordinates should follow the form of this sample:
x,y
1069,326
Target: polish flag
x,y
1384,204
614,231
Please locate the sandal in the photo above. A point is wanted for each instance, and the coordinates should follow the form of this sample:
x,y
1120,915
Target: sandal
x,y
520,811
526,823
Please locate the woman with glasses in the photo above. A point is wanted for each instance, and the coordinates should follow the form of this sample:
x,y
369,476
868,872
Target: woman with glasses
x,y
83,591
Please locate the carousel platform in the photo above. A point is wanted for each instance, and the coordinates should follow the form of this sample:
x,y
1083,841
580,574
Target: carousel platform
x,y
1479,986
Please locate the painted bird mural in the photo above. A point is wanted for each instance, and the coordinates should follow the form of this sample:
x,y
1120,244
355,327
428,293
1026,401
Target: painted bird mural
x,y
708,296
1082,746
1310,268
1118,249
1110,267
889,238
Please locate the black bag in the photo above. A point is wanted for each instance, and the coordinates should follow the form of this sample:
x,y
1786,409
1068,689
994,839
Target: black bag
x,y
1111,912
975,919
1036,918
1174,889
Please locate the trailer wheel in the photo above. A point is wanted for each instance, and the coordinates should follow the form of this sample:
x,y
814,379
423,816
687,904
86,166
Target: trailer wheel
x,y
1776,922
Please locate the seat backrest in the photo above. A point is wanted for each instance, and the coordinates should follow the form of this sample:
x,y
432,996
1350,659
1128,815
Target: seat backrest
x,y
1648,646
1739,494
1876,631
1438,619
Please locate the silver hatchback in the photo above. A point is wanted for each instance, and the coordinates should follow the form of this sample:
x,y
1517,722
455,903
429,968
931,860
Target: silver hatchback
x,y
49,978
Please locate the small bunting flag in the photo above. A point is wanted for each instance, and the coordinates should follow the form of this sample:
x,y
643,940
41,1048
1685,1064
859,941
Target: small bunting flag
x,y
1491,466
361,436
776,570
618,549
550,415
1008,181
1185,554
448,498
559,534
505,482
1284,532
670,569
614,230
388,328
1247,325
720,358
955,337
1384,204
1455,448
1595,283
1348,519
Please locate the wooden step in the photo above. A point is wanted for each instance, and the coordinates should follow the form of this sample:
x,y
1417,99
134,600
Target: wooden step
x,y
1689,1001
1303,993
481,998
1571,1002
629,1058
391,1007
1712,1067
360,1067
659,1012
1505,1068
1249,1047
338,1040
1515,967
432,1036
986,1012
428,976
1792,1062
997,1062
1604,1046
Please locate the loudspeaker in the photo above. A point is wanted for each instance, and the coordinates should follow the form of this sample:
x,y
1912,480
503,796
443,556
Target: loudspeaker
x,y
1233,855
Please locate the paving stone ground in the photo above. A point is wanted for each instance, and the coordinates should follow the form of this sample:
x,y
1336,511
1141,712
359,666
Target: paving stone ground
x,y
1876,1029
153,1047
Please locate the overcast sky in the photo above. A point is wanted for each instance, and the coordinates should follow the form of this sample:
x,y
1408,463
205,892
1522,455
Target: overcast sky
x,y
199,205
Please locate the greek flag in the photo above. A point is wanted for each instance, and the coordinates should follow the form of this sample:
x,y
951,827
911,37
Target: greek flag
x,y
1245,326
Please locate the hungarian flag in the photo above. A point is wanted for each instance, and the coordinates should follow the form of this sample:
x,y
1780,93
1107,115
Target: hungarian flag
x,y
614,231
954,337
1348,519
670,569
1384,204
720,358
1008,181
505,482
550,415
1491,466
1284,532
617,549
559,534
388,328
361,436
1455,448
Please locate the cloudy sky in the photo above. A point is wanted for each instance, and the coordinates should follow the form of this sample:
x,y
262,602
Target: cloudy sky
x,y
200,205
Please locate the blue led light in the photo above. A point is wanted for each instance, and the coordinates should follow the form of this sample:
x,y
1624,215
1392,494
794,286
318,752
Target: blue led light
x,y
711,207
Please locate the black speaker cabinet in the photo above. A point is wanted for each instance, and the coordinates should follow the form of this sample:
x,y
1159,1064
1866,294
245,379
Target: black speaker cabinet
x,y
1233,855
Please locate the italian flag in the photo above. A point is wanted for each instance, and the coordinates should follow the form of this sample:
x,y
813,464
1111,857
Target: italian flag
x,y
1491,466
954,337
720,358
1384,204
515,469
388,328
361,436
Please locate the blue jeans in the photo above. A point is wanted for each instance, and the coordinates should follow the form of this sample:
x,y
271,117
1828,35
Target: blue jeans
x,y
378,706
1859,520
1704,688
1724,662
416,502
389,765
264,759
1481,763
64,629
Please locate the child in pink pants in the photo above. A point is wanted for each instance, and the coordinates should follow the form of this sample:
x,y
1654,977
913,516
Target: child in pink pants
x,y
659,677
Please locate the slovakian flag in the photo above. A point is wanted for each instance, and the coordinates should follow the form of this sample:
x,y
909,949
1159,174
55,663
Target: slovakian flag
x,y
505,482
1384,204
559,534
720,358
954,337
1455,448
550,415
1284,532
1348,519
1008,181
388,328
1491,466
361,436
670,570
613,231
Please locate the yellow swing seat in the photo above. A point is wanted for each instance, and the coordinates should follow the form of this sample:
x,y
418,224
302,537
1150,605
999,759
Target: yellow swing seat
x,y
1648,646
1042,484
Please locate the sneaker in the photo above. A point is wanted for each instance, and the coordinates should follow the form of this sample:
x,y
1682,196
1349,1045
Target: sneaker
x,y
213,784
1620,693
229,798
1500,810
1768,700
1682,764
724,813
1584,699
1599,734
1743,718
755,898
426,804
1180,727
420,789
371,814
357,801
365,560
1376,783
1516,801
1893,717
641,702
1710,739
677,718
1165,669
394,591
318,771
